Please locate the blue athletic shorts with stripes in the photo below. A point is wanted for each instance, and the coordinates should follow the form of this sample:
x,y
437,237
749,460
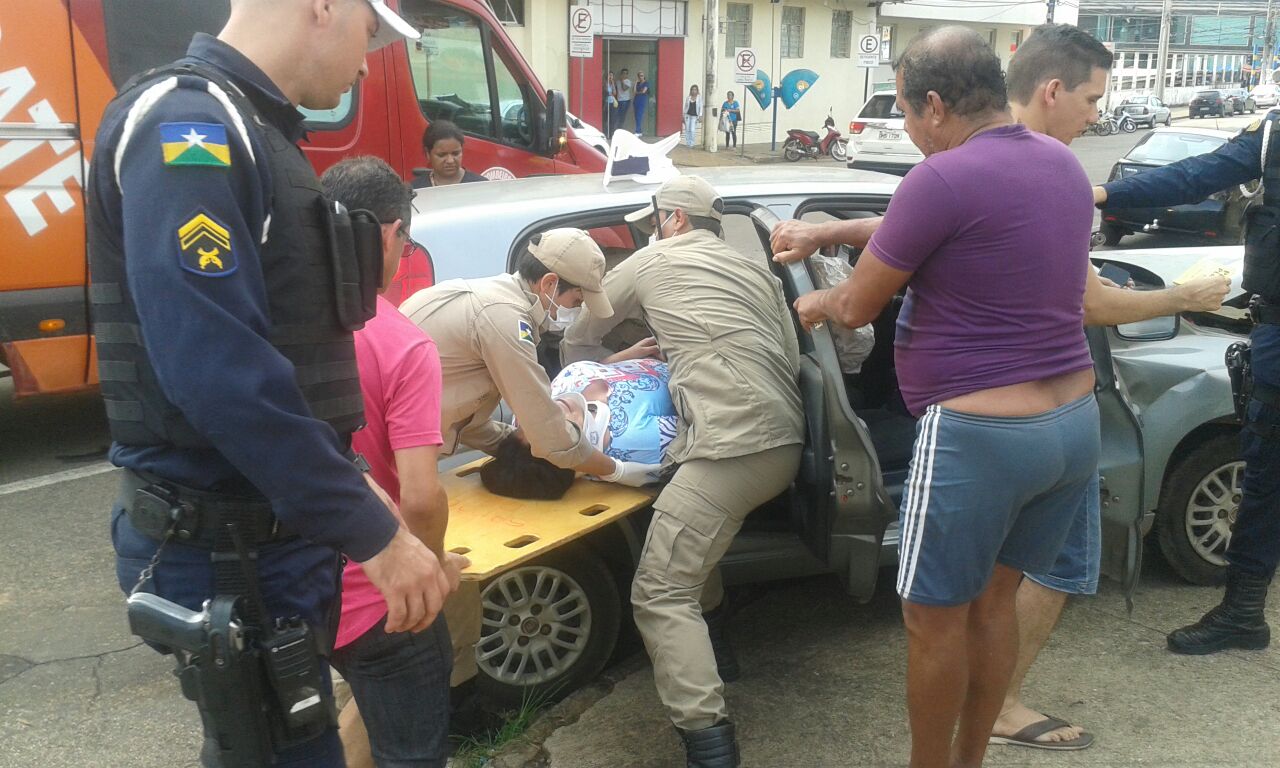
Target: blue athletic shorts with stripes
x,y
983,490
1075,572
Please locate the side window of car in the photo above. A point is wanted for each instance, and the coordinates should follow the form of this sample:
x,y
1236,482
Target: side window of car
x,y
458,77
516,105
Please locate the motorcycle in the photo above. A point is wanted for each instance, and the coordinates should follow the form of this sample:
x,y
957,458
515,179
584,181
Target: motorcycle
x,y
1110,124
801,143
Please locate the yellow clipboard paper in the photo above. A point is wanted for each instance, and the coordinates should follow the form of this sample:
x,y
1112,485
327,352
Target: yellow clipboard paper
x,y
1206,268
498,533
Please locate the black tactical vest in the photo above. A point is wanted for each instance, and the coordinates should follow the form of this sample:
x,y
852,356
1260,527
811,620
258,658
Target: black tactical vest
x,y
1262,230
299,262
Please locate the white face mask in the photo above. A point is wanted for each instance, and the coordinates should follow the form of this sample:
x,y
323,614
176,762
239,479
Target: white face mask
x,y
657,233
565,317
553,309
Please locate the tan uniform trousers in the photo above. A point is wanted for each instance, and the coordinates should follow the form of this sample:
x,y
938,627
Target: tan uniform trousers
x,y
695,519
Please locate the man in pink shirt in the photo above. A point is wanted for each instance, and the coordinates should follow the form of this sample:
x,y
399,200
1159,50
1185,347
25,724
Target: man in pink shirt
x,y
400,680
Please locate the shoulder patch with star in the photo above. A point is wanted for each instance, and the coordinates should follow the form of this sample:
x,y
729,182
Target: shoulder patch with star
x,y
204,247
195,144
524,331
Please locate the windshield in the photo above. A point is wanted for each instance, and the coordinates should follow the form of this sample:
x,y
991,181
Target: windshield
x,y
1161,148
1207,95
882,106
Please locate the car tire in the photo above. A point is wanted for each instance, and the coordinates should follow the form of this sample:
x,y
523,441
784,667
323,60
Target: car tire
x,y
1198,505
1111,234
1167,120
577,584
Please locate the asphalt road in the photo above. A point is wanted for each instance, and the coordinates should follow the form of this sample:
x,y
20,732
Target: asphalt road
x,y
824,679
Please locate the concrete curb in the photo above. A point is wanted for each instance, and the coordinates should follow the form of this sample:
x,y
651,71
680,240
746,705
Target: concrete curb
x,y
527,752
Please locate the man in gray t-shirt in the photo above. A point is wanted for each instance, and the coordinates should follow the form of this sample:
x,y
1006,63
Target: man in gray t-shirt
x,y
624,95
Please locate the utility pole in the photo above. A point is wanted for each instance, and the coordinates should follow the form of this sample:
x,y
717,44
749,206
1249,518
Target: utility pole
x,y
1268,44
710,128
1053,4
1162,50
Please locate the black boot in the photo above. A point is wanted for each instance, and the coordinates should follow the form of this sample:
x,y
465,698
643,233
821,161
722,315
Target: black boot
x,y
726,660
1236,622
714,747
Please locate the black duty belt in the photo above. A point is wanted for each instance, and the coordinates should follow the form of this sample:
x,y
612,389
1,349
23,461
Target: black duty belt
x,y
195,517
1265,312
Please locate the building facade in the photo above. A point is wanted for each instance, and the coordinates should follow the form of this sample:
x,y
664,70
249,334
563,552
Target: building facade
x,y
1211,44
668,41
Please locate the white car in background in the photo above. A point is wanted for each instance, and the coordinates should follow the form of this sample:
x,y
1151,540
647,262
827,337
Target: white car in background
x,y
588,133
1266,95
878,139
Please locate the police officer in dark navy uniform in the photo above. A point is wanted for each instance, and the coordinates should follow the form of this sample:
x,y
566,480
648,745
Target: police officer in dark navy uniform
x,y
225,289
1254,551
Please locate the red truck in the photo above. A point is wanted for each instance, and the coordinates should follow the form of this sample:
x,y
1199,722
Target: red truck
x,y
61,61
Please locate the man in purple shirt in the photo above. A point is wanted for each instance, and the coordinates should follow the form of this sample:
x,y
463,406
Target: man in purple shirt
x,y
986,234
1055,82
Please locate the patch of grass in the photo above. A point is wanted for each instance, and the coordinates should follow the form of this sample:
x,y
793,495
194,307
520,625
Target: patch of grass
x,y
474,751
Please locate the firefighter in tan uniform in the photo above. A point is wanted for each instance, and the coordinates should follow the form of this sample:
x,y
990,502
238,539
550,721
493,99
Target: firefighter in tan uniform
x,y
487,334
722,322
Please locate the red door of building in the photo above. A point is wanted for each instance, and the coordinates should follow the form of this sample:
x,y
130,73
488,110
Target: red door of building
x,y
668,86
672,88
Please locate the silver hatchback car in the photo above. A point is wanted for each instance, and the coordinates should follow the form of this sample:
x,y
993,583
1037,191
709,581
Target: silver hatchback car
x,y
1169,451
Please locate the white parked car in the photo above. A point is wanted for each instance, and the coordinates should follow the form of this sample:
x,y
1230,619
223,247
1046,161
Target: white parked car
x,y
588,133
1266,95
878,139
1169,433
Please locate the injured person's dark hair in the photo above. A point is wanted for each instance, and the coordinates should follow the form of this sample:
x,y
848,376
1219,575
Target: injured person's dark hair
x,y
516,473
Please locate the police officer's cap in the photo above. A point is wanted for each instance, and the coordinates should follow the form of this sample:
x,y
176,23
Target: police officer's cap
x,y
390,26
573,255
691,194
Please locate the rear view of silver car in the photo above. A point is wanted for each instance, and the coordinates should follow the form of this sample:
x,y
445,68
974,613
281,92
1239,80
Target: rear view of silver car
x,y
878,139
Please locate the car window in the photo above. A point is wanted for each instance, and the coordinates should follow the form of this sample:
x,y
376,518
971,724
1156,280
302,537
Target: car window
x,y
1172,147
1207,94
450,71
882,106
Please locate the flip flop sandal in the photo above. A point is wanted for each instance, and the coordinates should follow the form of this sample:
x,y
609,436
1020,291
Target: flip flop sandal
x,y
1027,737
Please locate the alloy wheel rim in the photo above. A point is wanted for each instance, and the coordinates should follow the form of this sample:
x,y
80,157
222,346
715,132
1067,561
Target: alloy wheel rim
x,y
1212,511
535,625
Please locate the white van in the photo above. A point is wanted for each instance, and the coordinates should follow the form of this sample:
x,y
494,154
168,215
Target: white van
x,y
878,139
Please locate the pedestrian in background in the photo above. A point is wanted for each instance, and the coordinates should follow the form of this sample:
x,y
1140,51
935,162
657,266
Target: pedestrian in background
x,y
692,114
610,104
1008,440
730,112
624,97
641,101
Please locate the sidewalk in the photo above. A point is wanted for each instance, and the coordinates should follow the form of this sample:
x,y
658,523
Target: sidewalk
x,y
746,154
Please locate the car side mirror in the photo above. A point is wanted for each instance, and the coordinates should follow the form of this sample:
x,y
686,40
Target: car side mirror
x,y
553,126
1153,329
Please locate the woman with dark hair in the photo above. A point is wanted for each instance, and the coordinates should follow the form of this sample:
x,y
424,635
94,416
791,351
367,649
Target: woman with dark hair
x,y
515,472
443,142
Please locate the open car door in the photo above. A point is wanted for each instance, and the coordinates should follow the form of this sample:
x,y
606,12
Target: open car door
x,y
841,508
1120,467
